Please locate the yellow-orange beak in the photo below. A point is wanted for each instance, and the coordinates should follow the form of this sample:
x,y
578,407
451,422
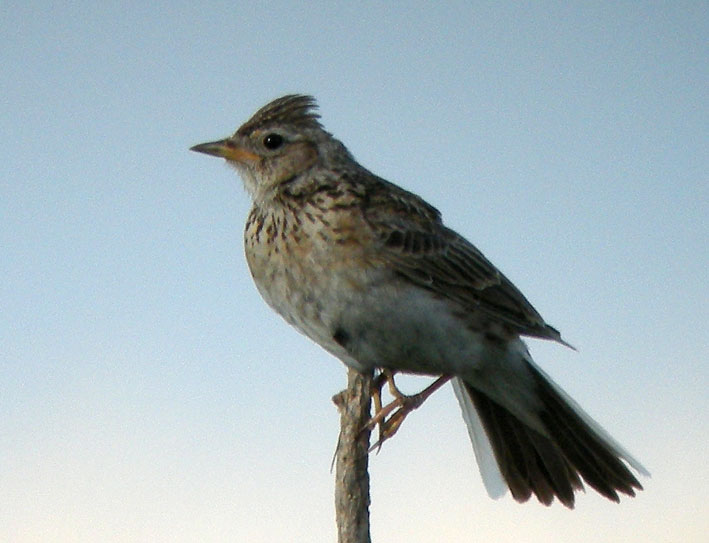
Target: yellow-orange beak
x,y
226,148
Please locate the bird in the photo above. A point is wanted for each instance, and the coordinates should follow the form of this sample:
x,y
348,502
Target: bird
x,y
369,271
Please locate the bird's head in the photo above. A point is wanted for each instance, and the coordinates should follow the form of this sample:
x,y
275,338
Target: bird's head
x,y
281,141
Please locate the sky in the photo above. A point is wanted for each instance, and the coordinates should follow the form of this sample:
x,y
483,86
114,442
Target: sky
x,y
146,391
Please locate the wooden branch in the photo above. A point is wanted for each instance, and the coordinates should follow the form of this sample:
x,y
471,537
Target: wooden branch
x,y
351,475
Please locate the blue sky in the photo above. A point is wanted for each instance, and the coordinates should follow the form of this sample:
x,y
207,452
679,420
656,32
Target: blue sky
x,y
148,394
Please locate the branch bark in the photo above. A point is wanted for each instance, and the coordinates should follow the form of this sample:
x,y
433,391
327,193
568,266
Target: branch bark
x,y
351,475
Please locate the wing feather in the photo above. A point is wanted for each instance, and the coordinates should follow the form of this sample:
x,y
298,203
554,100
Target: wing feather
x,y
416,244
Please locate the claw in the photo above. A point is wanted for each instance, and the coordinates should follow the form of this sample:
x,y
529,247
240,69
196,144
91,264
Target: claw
x,y
389,418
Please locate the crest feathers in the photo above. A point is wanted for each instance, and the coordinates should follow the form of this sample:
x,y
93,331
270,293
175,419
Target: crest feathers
x,y
294,109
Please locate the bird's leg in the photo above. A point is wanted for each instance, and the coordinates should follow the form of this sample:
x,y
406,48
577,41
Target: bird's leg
x,y
377,384
399,408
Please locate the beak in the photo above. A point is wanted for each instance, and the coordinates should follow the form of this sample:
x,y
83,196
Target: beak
x,y
226,148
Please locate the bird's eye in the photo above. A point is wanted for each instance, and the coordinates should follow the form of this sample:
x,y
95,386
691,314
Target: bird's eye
x,y
272,141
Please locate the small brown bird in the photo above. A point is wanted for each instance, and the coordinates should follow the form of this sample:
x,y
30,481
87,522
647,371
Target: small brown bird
x,y
368,271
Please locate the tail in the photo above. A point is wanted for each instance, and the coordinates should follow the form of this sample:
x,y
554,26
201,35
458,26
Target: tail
x,y
549,458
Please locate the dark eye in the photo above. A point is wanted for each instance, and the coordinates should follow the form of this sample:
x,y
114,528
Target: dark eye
x,y
272,141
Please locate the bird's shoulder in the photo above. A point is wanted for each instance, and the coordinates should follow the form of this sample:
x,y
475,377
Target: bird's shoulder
x,y
416,244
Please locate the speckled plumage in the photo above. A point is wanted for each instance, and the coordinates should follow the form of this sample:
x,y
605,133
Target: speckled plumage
x,y
368,270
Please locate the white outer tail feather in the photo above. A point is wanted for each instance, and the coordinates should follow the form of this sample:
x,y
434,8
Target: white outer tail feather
x,y
489,471
495,484
603,434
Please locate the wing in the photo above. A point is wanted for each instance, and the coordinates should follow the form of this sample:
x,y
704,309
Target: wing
x,y
416,244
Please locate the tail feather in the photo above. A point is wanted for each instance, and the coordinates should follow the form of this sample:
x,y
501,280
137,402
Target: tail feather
x,y
549,464
595,459
489,471
596,428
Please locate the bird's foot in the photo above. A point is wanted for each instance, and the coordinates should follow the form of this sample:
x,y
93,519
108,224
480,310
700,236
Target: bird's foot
x,y
390,417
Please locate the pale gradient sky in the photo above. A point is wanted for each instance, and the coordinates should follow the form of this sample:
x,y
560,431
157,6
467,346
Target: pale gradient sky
x,y
147,394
